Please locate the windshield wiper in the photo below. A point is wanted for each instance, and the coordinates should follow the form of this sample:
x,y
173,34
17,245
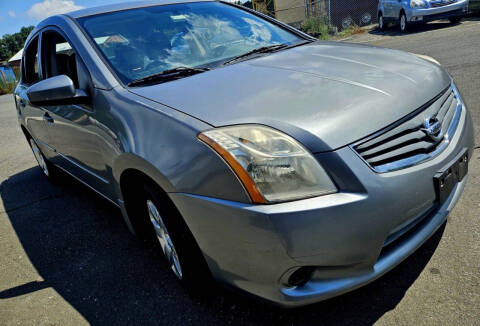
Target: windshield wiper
x,y
167,75
263,49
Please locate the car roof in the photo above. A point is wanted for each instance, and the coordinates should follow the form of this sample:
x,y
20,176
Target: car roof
x,y
125,6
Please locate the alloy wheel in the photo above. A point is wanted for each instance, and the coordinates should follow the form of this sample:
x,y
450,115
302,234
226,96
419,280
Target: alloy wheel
x,y
165,240
39,157
403,23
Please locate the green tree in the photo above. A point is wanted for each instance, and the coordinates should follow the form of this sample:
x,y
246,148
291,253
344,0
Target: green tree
x,y
12,43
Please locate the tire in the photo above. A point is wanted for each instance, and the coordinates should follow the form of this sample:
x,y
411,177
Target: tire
x,y
174,239
455,20
381,23
48,169
403,22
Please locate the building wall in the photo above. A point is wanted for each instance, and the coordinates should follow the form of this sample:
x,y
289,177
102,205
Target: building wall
x,y
15,63
290,11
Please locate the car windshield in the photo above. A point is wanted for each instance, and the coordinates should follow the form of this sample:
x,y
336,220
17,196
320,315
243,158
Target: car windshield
x,y
146,41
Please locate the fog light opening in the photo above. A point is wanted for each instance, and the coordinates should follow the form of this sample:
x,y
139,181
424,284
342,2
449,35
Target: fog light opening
x,y
301,276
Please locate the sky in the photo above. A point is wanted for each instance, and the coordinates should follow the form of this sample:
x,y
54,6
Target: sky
x,y
17,13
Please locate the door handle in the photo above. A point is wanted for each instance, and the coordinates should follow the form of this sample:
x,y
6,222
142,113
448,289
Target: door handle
x,y
48,118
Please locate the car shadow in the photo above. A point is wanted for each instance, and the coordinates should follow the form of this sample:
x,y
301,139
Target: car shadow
x,y
394,30
79,245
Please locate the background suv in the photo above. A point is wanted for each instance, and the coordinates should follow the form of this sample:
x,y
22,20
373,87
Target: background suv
x,y
407,12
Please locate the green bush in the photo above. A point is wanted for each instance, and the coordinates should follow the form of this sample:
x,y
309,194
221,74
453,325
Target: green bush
x,y
16,71
7,87
319,27
351,30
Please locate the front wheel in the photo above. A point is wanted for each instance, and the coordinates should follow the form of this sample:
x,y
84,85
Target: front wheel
x,y
47,168
403,23
381,22
183,256
165,239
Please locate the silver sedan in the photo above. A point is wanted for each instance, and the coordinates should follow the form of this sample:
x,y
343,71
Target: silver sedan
x,y
289,168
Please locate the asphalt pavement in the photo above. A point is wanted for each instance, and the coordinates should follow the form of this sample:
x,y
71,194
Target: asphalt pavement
x,y
66,257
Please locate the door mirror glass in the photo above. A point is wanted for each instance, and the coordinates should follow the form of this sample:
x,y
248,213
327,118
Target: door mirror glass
x,y
58,90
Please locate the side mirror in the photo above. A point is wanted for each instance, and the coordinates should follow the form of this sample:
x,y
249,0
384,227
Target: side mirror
x,y
58,90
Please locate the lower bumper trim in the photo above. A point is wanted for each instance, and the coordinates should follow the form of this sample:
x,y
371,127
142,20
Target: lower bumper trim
x,y
318,290
445,15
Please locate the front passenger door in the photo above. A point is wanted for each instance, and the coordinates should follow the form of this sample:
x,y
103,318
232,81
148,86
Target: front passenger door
x,y
396,7
74,129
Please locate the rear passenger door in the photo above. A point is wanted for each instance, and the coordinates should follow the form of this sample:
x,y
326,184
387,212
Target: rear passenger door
x,y
74,128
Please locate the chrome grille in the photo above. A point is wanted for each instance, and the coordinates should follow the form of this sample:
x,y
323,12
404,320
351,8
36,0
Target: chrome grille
x,y
416,138
442,3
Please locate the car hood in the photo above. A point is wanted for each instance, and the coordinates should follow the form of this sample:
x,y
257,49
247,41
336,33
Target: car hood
x,y
338,92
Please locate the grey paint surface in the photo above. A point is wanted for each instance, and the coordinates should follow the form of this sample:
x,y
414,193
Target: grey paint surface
x,y
98,143
122,130
62,87
55,274
343,233
320,88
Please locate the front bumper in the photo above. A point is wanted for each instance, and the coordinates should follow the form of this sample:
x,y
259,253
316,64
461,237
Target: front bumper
x,y
343,235
457,9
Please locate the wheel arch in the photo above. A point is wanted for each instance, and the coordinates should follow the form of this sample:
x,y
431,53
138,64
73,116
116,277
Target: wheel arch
x,y
132,184
130,172
128,162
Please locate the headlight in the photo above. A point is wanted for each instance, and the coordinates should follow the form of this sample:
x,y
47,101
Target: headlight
x,y
418,4
272,166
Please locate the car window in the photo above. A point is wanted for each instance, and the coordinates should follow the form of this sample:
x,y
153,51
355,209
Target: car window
x,y
144,41
59,57
31,72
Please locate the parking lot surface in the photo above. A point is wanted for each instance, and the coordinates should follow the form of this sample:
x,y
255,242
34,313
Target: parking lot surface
x,y
66,257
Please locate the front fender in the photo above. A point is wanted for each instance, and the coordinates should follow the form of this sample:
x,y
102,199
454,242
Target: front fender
x,y
128,161
162,143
